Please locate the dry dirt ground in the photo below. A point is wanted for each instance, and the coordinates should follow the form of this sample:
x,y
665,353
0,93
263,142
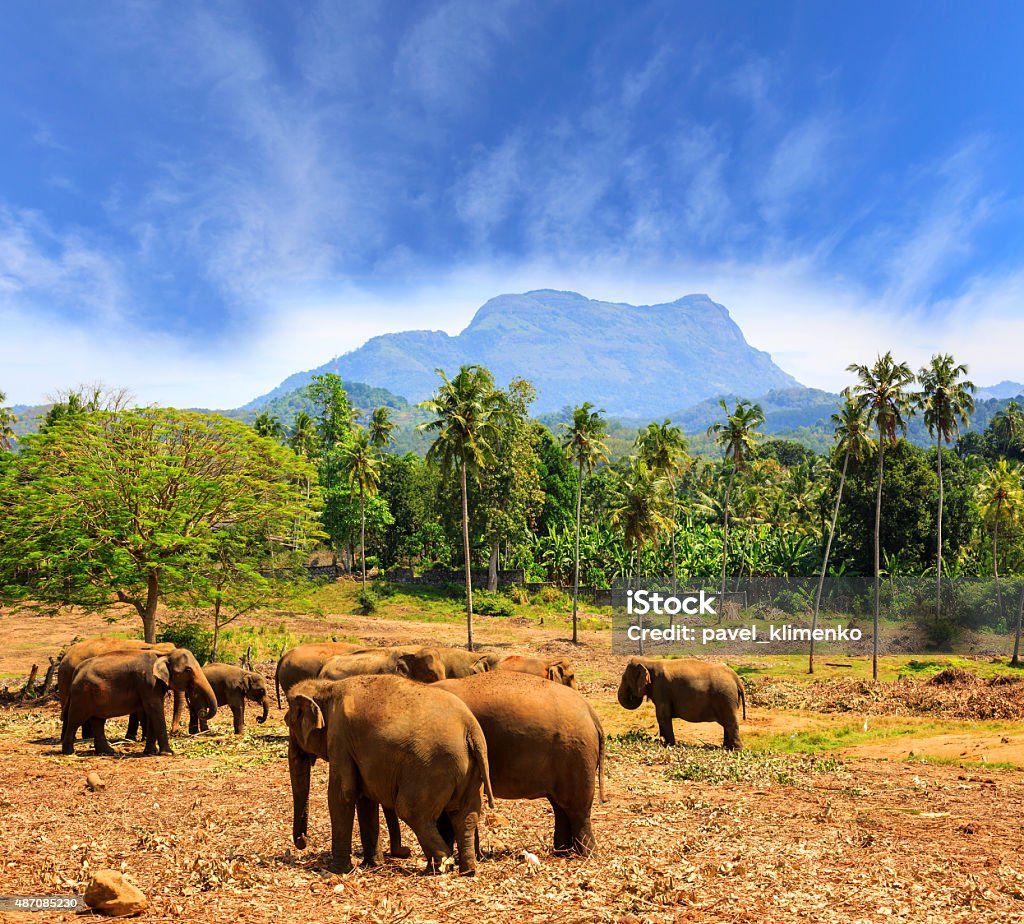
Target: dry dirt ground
x,y
687,834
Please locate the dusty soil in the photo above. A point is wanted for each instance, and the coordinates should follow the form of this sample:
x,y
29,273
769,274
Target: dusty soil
x,y
686,834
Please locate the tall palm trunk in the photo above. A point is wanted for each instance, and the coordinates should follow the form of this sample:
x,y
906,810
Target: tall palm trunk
x,y
995,564
1015,660
675,514
725,540
465,553
938,561
362,533
824,564
576,568
878,556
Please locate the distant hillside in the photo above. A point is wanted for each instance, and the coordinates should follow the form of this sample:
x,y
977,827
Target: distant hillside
x,y
631,360
1002,391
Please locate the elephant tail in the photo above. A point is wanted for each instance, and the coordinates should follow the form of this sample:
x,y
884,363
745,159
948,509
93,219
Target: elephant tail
x,y
277,680
743,697
478,751
600,754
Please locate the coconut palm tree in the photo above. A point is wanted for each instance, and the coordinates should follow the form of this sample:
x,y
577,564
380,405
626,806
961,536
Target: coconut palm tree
x,y
883,388
584,443
361,466
303,437
268,425
852,440
381,427
7,421
468,411
737,436
1006,430
1001,497
664,448
947,400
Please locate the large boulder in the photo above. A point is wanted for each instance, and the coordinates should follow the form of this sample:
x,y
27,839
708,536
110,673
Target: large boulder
x,y
110,893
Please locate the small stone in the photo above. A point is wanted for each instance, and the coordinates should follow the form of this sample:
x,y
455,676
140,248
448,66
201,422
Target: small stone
x,y
95,782
111,893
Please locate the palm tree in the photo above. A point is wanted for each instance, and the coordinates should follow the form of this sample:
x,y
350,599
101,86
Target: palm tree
x,y
585,445
468,411
7,420
268,425
883,388
851,428
381,427
1006,430
361,465
1001,497
946,399
303,437
664,448
737,436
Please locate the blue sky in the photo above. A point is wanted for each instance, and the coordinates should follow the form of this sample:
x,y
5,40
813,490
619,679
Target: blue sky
x,y
199,199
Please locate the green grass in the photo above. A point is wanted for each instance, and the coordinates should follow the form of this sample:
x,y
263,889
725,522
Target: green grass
x,y
960,762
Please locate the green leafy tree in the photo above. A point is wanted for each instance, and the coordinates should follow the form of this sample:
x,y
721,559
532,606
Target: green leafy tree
x,y
269,426
558,481
641,511
303,438
1005,433
125,506
1001,498
946,400
7,422
737,436
381,428
883,388
362,470
851,426
663,447
585,443
468,412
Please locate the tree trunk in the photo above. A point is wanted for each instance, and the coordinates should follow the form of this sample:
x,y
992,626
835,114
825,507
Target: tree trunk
x,y
1015,660
938,559
152,599
576,568
725,540
675,514
995,564
465,553
362,533
216,630
824,564
492,566
878,556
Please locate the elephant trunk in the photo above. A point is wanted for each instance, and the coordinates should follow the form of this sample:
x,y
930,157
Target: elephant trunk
x,y
628,699
299,766
265,703
203,694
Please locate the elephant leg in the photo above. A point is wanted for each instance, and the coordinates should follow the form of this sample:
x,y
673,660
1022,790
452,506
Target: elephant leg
x,y
434,847
446,828
465,821
156,730
86,729
732,740
583,840
133,727
99,733
664,717
238,715
67,733
368,813
193,719
179,709
563,829
395,847
342,808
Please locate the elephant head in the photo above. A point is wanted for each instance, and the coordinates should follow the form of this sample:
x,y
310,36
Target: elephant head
x,y
180,671
634,686
562,672
424,665
307,740
256,691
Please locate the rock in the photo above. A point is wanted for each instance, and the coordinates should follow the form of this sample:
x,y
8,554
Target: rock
x,y
111,893
95,782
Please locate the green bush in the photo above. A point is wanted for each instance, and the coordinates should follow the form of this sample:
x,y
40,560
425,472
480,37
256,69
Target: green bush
x,y
367,600
487,603
191,635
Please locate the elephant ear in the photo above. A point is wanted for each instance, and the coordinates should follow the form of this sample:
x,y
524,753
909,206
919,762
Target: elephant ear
x,y
482,666
402,666
641,678
161,672
561,672
307,719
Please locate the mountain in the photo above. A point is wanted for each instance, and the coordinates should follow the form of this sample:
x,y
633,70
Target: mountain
x,y
629,360
1003,390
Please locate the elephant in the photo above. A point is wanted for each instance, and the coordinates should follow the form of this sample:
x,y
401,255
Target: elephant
x,y
121,683
303,662
422,664
560,671
232,686
390,742
543,742
90,647
461,663
687,689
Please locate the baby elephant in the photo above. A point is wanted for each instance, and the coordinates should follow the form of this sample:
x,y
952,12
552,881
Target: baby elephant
x,y
394,743
560,671
233,687
422,664
687,689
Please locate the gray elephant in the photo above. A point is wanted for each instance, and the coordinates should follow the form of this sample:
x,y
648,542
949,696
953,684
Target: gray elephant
x,y
232,687
687,689
408,747
422,664
544,741
558,670
461,663
121,683
304,662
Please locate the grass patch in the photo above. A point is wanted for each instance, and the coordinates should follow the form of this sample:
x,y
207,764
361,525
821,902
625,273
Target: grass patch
x,y
960,762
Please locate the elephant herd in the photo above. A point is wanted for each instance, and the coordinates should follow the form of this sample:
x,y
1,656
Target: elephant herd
x,y
424,734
